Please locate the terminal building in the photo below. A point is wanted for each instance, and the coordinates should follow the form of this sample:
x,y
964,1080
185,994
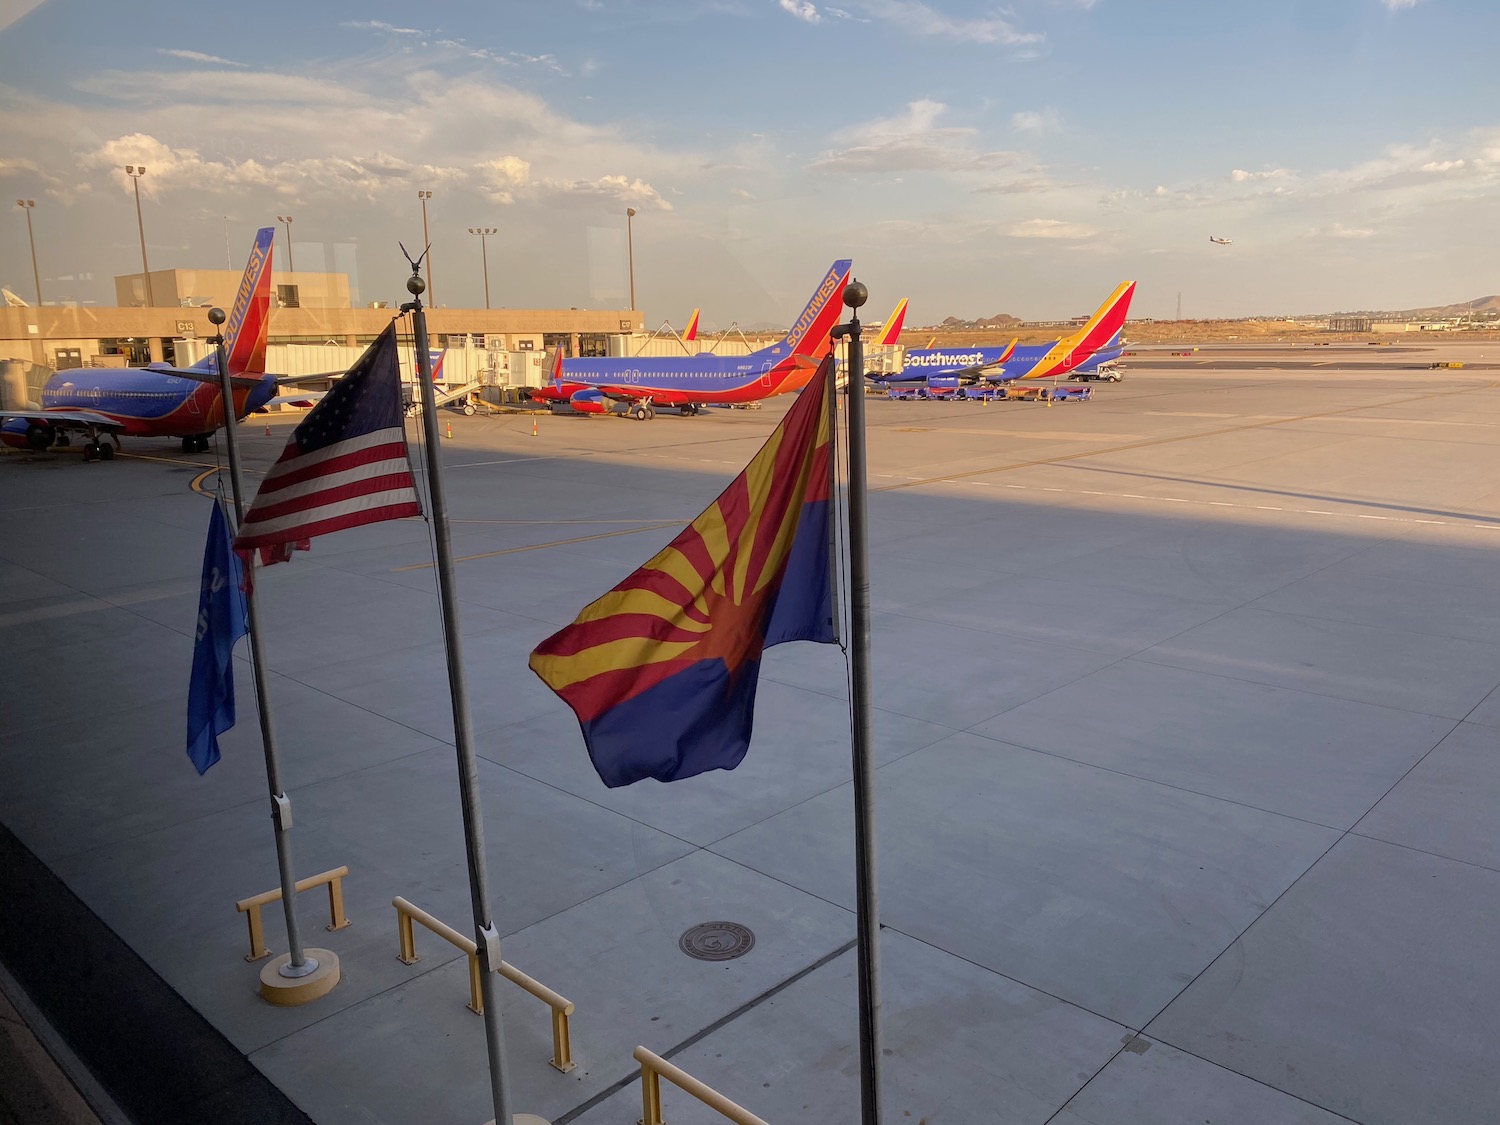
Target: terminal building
x,y
315,327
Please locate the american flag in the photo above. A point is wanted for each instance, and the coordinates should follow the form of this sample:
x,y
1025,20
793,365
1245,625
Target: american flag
x,y
346,464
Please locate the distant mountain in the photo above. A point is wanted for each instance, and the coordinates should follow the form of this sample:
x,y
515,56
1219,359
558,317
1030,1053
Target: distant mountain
x,y
1481,307
999,320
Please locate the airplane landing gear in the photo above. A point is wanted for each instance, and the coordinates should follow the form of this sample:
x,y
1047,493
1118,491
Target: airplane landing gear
x,y
195,443
39,437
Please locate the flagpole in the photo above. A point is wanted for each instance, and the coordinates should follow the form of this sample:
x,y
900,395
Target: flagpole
x,y
832,391
486,936
298,964
867,908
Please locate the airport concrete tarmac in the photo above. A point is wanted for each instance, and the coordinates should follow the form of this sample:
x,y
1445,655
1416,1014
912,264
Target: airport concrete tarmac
x,y
1187,722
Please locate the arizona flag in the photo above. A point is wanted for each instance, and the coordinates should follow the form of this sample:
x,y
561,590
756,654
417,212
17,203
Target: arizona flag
x,y
662,670
344,466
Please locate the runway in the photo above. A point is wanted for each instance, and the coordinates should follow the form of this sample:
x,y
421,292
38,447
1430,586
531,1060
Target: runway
x,y
1186,713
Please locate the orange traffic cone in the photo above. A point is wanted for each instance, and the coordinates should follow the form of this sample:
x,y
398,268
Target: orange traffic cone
x,y
450,429
533,427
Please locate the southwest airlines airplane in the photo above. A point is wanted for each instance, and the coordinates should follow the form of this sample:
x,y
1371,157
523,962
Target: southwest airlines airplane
x,y
636,386
1035,361
159,400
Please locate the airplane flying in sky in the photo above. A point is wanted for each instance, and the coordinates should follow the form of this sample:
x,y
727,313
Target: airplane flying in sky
x,y
1033,361
1221,241
158,400
639,384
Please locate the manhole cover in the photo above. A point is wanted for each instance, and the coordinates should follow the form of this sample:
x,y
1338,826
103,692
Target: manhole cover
x,y
717,941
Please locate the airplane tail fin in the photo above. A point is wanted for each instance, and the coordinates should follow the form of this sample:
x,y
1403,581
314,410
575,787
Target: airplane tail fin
x,y
890,332
690,333
1106,323
809,333
250,319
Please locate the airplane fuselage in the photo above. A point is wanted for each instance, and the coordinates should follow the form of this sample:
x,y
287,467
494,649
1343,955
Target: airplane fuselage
x,y
1032,361
675,380
149,403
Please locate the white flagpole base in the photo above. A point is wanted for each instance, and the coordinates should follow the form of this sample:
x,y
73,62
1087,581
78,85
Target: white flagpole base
x,y
287,991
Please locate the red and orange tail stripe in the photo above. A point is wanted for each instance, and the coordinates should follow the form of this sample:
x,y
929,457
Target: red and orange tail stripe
x,y
1072,350
890,332
690,333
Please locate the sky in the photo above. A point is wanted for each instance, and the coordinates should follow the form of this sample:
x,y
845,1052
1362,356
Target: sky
x,y
977,158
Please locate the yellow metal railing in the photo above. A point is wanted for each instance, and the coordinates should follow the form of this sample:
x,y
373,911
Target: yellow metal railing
x,y
251,907
562,1007
654,1068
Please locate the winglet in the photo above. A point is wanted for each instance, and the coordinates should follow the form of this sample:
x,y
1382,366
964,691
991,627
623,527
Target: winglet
x,y
557,368
890,331
690,333
1009,349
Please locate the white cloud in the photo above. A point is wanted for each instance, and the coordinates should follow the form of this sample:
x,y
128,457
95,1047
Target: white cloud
x,y
198,56
1240,176
1035,121
802,9
1338,230
913,141
380,25
1052,228
1397,5
918,18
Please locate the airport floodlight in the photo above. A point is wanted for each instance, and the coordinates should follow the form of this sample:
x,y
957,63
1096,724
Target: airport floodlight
x,y
135,172
287,221
630,252
484,233
424,196
26,205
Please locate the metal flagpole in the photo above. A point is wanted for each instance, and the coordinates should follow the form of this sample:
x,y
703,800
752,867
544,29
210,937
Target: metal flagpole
x,y
298,964
486,936
833,495
867,907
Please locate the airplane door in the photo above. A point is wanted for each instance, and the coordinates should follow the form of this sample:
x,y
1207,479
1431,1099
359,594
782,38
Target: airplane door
x,y
765,375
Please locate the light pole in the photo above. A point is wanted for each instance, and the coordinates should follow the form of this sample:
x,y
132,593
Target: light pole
x,y
484,233
630,251
135,172
287,220
424,196
26,205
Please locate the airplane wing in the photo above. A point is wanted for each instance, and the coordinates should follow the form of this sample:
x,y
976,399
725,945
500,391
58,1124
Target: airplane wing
x,y
301,400
69,419
655,394
209,377
995,367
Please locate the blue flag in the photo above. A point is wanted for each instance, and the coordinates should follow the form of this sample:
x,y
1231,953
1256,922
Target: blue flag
x,y
221,622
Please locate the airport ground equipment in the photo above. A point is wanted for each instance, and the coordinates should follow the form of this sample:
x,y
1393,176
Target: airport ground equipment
x,y
1105,373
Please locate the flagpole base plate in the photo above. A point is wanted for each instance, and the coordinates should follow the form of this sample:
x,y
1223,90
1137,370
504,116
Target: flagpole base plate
x,y
288,992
